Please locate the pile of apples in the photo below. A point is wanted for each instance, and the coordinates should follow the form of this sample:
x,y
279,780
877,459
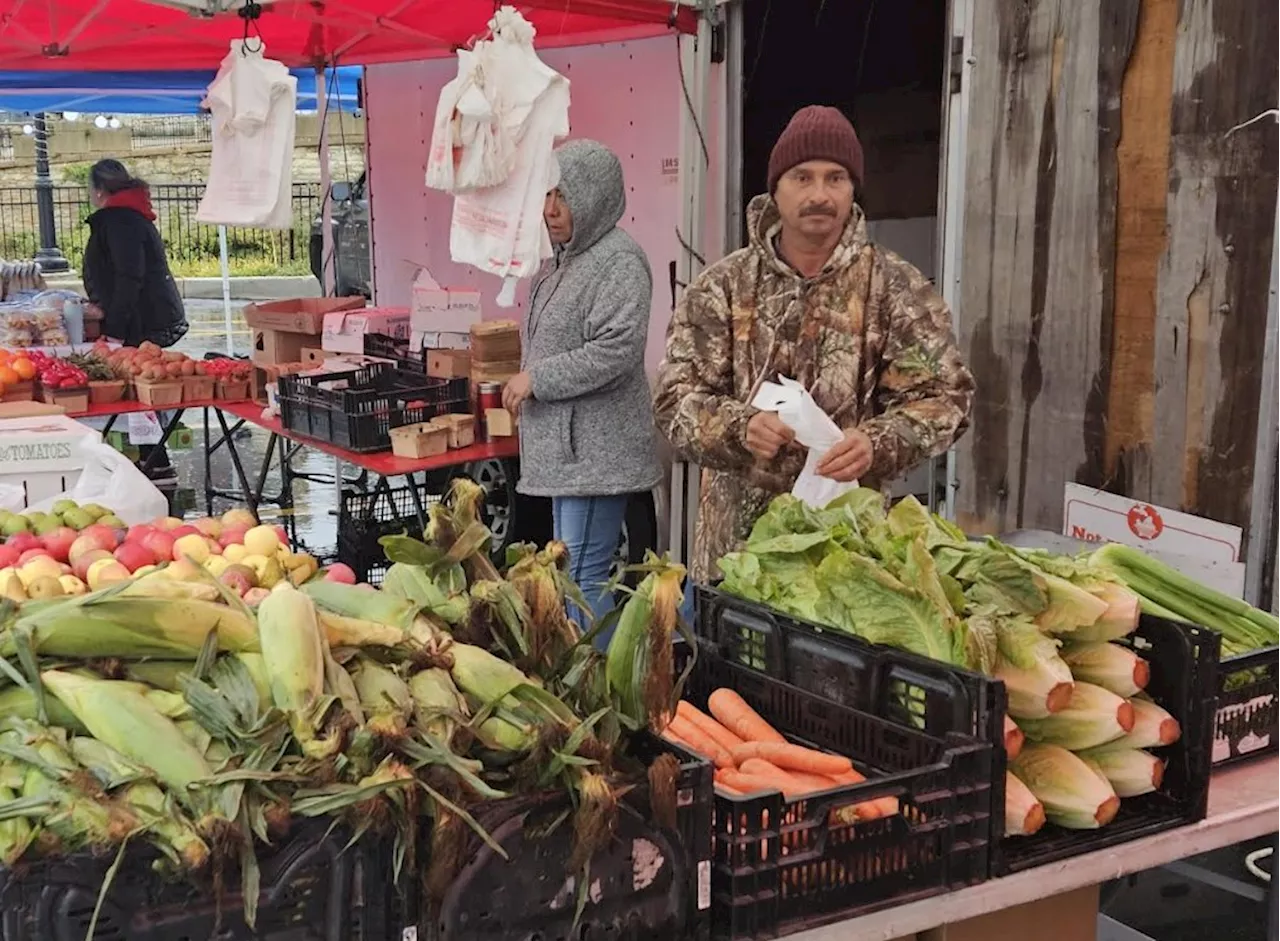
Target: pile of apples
x,y
64,514
247,557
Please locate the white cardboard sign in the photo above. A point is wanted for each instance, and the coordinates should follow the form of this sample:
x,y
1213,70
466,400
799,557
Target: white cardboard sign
x,y
1203,549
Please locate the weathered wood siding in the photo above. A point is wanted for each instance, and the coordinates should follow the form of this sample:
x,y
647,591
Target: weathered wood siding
x,y
1116,254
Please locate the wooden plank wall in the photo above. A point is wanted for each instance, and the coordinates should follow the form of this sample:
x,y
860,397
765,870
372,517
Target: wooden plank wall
x,y
1116,254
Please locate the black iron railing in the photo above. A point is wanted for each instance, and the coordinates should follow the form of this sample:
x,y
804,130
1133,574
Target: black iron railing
x,y
192,246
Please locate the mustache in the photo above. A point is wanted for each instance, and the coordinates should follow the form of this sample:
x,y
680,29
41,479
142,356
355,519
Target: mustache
x,y
819,211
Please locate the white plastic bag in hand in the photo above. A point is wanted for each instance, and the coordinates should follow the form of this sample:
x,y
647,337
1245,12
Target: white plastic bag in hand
x,y
813,428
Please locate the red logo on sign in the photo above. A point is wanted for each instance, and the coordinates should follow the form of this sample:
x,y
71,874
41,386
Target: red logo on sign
x,y
1145,521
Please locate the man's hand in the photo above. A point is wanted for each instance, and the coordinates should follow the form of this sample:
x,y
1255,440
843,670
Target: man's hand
x,y
517,389
848,460
767,434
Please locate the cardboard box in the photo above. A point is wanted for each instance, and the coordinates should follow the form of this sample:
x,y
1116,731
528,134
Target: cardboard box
x,y
498,423
462,429
433,307
42,454
272,347
345,332
497,341
439,340
300,315
448,364
1073,915
311,356
418,441
29,409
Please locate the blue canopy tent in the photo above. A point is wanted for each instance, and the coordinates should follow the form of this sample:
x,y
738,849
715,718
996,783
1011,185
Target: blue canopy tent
x,y
162,92
151,92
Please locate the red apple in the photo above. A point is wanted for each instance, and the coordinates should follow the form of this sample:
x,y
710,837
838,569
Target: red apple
x,y
159,543
284,537
209,526
32,554
85,542
23,541
104,536
8,556
232,537
59,542
80,567
340,572
179,531
139,532
134,555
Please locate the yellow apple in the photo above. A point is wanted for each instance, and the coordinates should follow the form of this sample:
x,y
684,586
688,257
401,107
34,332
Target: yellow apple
x,y
262,540
72,585
235,553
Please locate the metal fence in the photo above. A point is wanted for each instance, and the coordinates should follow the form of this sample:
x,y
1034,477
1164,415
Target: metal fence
x,y
151,132
192,247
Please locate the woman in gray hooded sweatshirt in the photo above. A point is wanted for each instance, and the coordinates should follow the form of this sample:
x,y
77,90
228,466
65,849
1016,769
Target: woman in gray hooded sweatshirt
x,y
587,436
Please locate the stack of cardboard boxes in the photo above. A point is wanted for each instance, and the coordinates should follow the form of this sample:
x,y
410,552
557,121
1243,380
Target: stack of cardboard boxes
x,y
313,334
446,322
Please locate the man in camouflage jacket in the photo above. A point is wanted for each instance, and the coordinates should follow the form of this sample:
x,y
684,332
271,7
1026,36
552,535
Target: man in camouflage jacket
x,y
812,299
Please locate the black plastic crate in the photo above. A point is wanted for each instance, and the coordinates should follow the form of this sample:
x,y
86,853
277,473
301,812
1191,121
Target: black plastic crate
x,y
891,683
357,410
364,517
651,884
1247,724
314,888
397,351
1184,668
1184,680
781,866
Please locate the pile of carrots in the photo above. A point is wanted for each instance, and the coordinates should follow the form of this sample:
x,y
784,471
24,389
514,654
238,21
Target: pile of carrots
x,y
752,757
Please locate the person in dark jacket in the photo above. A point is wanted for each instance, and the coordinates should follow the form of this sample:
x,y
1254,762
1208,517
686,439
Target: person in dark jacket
x,y
126,274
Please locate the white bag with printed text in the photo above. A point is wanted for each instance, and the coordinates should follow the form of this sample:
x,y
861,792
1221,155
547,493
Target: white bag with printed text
x,y
112,480
813,428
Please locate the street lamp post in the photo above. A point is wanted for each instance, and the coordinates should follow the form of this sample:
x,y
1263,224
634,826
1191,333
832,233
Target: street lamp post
x,y
49,256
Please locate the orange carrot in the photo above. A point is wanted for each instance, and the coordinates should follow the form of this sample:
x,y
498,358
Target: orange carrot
x,y
722,786
723,736
815,782
869,810
732,710
851,776
700,742
793,757
754,783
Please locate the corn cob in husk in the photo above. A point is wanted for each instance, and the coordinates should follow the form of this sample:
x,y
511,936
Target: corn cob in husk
x,y
106,624
639,664
118,715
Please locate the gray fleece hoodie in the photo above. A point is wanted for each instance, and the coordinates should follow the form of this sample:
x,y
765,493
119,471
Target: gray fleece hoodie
x,y
587,429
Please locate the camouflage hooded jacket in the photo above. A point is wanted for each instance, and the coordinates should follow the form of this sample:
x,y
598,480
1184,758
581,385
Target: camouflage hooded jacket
x,y
868,337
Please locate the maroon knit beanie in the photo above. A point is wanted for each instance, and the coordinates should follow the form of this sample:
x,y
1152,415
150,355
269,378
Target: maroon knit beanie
x,y
817,133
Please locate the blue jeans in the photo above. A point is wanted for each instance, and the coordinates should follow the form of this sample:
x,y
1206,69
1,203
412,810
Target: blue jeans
x,y
591,527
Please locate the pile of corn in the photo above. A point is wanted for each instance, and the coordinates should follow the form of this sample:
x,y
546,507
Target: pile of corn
x,y
169,712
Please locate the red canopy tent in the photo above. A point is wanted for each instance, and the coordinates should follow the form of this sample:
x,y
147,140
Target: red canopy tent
x,y
103,35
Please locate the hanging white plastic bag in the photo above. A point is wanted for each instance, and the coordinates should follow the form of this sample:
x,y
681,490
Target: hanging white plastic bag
x,y
814,429
253,101
112,480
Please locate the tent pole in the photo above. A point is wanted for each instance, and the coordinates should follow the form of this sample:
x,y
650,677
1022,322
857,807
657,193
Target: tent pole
x,y
326,184
695,63
224,264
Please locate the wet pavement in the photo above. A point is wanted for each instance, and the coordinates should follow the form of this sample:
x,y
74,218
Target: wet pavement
x,y
316,505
